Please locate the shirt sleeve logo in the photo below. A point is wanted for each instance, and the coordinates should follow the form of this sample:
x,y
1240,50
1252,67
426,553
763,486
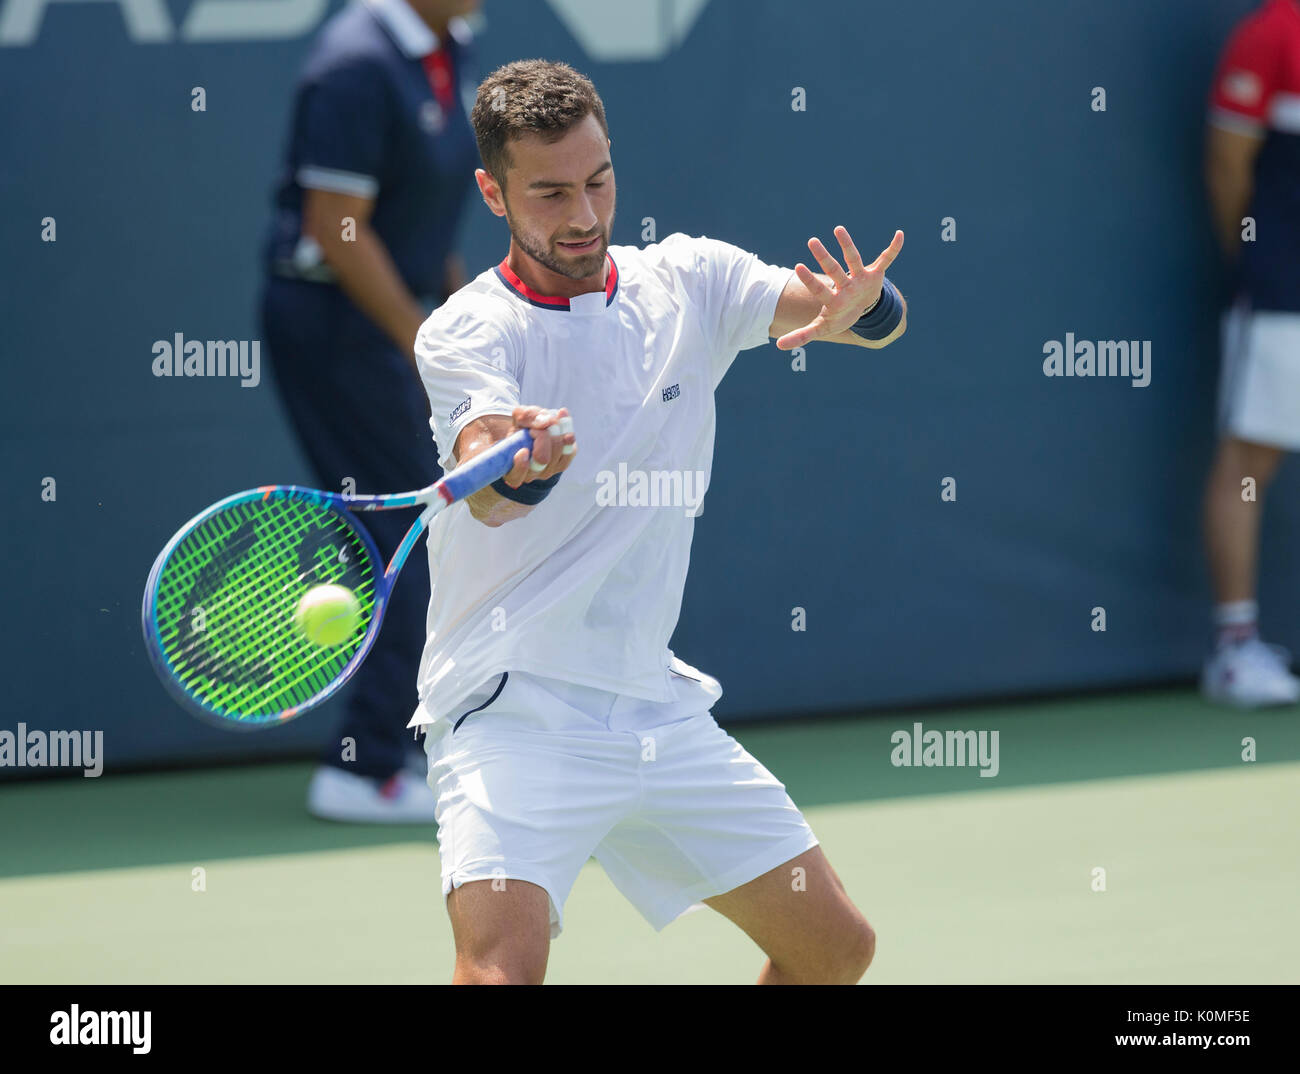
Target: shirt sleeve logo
x,y
1242,87
459,410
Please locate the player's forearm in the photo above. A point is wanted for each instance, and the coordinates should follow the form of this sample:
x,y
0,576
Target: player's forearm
x,y
551,454
492,509
1229,188
487,505
1230,180
366,272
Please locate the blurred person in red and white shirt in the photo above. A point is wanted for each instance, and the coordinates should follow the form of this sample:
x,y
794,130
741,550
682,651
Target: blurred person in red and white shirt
x,y
1253,176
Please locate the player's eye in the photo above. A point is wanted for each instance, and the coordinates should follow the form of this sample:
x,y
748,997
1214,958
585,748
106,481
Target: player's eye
x,y
596,184
553,194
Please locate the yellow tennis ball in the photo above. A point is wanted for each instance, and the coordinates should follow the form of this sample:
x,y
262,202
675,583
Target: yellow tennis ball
x,y
328,614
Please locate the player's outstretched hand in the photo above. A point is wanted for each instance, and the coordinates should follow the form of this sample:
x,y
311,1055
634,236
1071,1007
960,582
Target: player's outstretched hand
x,y
851,293
554,444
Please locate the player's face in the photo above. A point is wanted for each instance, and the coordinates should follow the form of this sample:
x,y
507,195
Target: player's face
x,y
559,199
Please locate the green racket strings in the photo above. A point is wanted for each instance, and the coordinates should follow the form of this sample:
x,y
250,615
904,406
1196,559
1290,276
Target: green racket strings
x,y
226,598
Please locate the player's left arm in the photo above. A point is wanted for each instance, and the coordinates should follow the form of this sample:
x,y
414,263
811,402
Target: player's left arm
x,y
814,306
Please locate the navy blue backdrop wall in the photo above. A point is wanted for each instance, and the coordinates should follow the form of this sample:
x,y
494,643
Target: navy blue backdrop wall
x,y
1071,493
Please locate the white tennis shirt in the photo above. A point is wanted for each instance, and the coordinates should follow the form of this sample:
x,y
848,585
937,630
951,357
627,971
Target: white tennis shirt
x,y
588,586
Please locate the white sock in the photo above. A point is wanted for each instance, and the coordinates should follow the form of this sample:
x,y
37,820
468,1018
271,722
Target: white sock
x,y
1236,621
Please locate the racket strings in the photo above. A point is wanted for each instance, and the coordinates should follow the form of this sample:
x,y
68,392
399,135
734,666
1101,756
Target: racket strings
x,y
227,596
273,659
240,597
205,652
317,666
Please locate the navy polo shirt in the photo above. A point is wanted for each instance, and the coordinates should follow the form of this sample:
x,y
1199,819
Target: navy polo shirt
x,y
366,121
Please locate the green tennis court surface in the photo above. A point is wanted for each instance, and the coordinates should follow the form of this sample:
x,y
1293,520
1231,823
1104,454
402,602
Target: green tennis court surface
x,y
966,879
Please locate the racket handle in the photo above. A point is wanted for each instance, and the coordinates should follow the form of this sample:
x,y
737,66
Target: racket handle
x,y
484,468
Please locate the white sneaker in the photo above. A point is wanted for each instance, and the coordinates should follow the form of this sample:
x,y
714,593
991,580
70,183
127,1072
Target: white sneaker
x,y
338,795
1250,674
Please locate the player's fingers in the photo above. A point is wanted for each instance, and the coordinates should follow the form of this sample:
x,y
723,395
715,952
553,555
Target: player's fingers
x,y
851,256
541,448
564,442
552,437
558,465
829,265
524,416
798,337
562,439
519,471
816,287
890,252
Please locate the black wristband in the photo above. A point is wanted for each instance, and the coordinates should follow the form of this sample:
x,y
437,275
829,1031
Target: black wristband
x,y
530,493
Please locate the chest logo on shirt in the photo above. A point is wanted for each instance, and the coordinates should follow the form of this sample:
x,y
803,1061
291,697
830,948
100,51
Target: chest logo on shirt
x,y
672,393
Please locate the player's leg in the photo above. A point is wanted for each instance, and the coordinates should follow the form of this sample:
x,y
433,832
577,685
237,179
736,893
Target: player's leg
x,y
713,825
502,930
1232,514
804,921
1241,670
1259,402
526,785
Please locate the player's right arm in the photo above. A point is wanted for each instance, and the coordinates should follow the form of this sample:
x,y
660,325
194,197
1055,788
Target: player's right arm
x,y
1230,180
470,356
488,505
1245,85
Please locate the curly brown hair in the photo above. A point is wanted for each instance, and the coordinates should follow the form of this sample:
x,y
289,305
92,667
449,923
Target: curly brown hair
x,y
530,97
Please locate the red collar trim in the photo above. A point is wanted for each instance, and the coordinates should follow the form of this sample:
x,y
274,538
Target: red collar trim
x,y
554,302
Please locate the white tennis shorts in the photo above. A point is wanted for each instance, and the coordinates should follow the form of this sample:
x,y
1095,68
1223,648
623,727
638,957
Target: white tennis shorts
x,y
550,774
1259,382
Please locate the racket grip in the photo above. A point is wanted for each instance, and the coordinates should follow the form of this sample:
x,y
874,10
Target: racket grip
x,y
484,468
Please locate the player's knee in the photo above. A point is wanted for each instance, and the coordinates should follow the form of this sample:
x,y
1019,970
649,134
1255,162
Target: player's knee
x,y
843,958
500,968
857,952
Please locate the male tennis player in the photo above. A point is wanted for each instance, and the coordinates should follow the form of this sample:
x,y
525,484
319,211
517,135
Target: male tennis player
x,y
558,724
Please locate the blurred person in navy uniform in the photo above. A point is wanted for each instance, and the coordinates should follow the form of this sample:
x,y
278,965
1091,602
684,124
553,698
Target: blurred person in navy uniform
x,y
380,159
1253,176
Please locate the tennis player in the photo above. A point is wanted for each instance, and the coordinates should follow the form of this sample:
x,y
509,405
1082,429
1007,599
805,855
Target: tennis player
x,y
558,724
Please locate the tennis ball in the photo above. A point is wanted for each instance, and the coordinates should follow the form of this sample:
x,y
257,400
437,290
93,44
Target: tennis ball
x,y
328,614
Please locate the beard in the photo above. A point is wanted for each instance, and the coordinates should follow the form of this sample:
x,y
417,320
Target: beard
x,y
570,266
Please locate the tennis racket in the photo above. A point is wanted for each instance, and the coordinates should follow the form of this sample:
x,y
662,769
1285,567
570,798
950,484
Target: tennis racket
x,y
218,613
